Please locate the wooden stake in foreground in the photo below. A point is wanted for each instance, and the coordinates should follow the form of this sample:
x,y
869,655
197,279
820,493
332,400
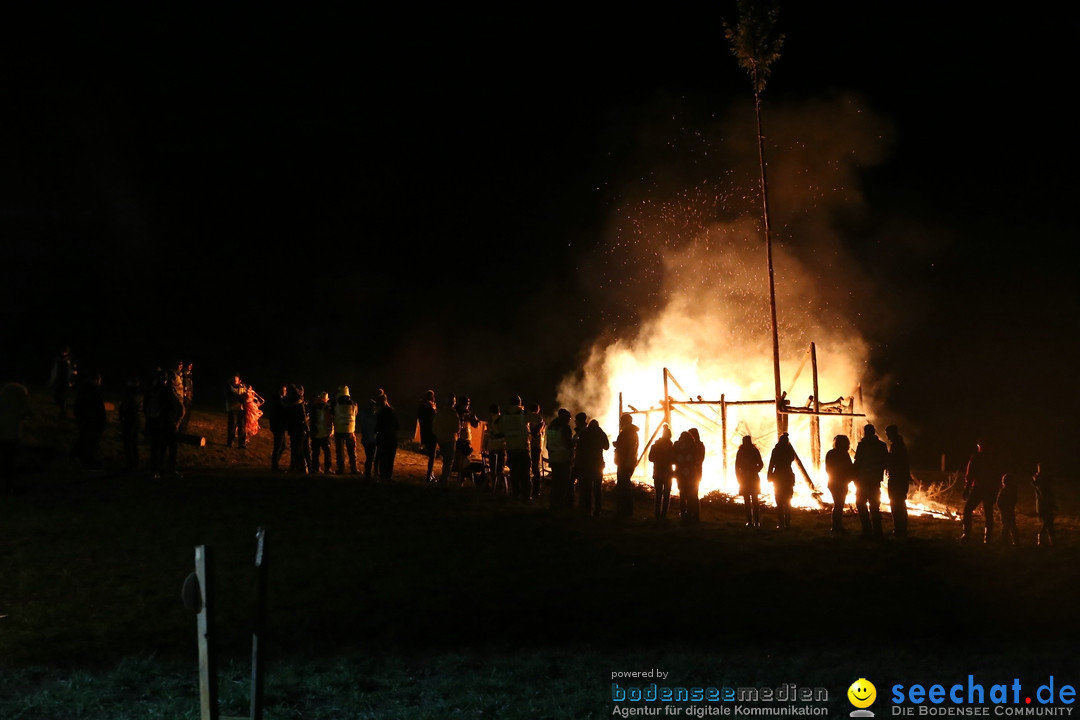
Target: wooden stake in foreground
x,y
260,622
197,596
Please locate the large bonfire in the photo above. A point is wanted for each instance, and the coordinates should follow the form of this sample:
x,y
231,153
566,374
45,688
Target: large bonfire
x,y
700,348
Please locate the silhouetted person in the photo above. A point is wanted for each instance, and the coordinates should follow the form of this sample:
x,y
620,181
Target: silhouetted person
x,y
236,412
662,457
345,411
982,479
1045,505
1006,504
534,421
899,469
514,426
560,449
62,379
425,418
626,452
366,421
468,419
164,411
689,460
589,466
176,379
131,412
748,465
275,413
187,379
782,476
296,427
386,436
841,472
871,458
494,445
446,426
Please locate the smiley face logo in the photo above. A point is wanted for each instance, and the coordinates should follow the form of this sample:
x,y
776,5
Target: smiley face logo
x,y
862,693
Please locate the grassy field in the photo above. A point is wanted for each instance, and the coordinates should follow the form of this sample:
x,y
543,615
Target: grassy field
x,y
406,600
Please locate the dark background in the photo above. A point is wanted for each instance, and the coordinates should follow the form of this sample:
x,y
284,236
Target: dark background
x,y
420,199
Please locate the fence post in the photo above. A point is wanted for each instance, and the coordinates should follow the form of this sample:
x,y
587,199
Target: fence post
x,y
208,688
261,567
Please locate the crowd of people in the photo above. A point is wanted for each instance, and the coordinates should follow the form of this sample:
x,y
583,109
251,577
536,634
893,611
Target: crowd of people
x,y
320,436
305,430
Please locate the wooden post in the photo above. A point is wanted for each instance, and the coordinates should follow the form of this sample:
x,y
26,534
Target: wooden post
x,y
208,691
849,421
723,429
815,420
667,401
261,568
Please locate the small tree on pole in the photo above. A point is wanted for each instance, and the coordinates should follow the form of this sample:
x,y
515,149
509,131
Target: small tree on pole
x,y
756,46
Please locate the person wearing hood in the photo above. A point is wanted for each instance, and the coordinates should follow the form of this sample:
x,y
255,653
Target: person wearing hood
x,y
386,436
626,455
321,422
898,468
871,459
560,449
748,465
344,410
689,462
514,426
589,465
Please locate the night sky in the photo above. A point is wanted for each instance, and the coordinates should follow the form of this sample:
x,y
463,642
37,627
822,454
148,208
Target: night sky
x,y
424,199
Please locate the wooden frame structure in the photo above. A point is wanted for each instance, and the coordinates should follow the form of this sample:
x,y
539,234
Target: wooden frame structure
x,y
841,407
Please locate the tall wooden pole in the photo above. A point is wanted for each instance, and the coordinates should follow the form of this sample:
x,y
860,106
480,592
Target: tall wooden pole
x,y
815,419
723,429
768,251
756,46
